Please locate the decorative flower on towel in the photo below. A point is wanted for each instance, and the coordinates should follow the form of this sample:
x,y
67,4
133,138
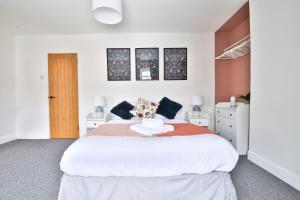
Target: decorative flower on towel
x,y
144,108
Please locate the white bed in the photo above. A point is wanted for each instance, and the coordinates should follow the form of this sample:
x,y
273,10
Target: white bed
x,y
104,168
148,168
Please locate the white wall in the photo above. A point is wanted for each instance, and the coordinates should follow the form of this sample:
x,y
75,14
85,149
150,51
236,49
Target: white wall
x,y
31,64
7,86
275,88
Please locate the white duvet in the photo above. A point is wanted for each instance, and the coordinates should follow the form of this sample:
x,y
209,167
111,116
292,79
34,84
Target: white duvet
x,y
148,156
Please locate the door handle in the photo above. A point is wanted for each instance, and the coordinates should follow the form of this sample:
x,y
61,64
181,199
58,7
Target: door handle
x,y
51,97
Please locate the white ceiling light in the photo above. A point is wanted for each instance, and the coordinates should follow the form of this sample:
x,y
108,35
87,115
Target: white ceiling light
x,y
108,11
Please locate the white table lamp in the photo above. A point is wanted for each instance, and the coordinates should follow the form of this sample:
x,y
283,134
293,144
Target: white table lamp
x,y
99,103
196,102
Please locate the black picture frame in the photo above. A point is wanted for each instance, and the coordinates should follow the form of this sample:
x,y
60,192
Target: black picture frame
x,y
118,64
147,59
175,63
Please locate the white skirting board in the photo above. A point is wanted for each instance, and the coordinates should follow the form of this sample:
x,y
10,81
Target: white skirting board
x,y
33,135
36,135
7,138
285,175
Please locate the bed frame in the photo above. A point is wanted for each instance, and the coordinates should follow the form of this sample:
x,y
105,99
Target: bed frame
x,y
213,186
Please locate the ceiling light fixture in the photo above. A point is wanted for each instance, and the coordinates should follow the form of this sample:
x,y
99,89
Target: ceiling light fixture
x,y
108,11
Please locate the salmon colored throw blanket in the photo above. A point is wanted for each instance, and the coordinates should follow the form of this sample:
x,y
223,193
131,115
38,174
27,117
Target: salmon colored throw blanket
x,y
124,130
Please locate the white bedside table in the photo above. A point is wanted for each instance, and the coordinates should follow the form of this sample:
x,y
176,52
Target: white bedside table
x,y
203,120
93,122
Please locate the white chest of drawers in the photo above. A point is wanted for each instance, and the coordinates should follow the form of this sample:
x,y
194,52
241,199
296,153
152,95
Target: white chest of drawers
x,y
232,123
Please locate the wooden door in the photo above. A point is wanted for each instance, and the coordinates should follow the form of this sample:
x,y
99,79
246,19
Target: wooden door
x,y
63,95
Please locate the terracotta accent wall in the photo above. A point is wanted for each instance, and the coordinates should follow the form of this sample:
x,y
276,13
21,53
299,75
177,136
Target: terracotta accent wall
x,y
223,70
232,77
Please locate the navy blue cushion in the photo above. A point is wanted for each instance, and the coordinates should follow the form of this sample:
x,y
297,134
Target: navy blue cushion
x,y
122,110
168,108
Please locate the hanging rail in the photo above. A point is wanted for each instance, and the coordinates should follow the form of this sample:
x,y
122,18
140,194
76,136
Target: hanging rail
x,y
239,48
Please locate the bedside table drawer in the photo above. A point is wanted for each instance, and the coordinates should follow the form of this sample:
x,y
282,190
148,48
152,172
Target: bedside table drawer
x,y
199,122
94,124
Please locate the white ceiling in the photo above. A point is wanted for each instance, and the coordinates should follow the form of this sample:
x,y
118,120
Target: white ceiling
x,y
140,16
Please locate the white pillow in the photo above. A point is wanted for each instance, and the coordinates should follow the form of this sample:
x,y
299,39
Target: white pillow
x,y
179,115
159,116
178,118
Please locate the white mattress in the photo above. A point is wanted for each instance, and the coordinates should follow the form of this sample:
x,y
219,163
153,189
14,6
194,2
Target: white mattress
x,y
148,156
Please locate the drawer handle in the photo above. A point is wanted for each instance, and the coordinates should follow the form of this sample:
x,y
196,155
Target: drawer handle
x,y
218,111
230,115
200,122
95,124
230,140
230,126
218,121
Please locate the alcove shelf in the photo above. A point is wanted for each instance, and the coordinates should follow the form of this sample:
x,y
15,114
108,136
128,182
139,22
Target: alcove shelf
x,y
238,49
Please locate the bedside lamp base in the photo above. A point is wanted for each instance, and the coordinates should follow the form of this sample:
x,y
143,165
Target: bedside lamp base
x,y
99,112
196,111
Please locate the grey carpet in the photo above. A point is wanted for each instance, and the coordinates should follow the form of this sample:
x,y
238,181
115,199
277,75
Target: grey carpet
x,y
29,170
254,183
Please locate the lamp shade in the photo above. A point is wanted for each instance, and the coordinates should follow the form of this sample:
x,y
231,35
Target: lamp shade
x,y
197,100
108,11
99,101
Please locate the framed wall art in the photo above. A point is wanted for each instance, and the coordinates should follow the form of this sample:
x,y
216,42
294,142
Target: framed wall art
x,y
175,63
147,63
118,64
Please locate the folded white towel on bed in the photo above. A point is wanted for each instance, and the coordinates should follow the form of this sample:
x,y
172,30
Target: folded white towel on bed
x,y
140,128
153,123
